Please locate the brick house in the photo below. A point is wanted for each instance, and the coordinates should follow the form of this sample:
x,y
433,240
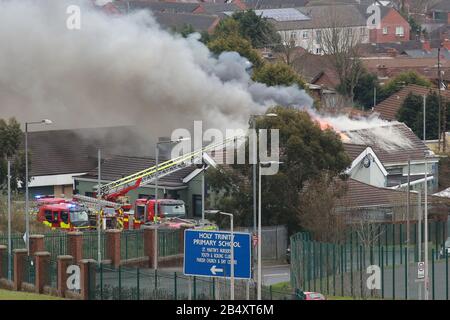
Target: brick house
x,y
393,27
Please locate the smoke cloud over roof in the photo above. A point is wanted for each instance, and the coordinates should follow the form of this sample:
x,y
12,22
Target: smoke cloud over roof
x,y
121,70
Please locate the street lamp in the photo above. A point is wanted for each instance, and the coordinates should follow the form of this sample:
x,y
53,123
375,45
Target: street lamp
x,y
426,283
157,164
261,164
231,253
27,218
255,160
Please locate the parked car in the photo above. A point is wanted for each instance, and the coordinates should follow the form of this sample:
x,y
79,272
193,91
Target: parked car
x,y
307,295
445,247
314,296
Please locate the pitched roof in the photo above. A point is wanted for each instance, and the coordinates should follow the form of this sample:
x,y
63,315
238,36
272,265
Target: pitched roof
x,y
360,194
324,17
444,5
157,6
120,166
273,4
75,151
178,21
217,8
389,107
394,143
354,150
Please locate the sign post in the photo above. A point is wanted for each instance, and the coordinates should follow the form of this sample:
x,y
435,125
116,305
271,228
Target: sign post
x,y
208,254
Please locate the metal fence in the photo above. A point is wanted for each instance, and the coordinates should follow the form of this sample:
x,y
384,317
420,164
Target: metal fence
x,y
90,244
169,242
131,244
127,283
274,242
341,268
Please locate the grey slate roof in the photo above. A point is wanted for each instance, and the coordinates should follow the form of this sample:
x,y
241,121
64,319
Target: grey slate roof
x,y
411,148
217,8
444,6
273,4
177,21
75,151
120,166
324,17
157,6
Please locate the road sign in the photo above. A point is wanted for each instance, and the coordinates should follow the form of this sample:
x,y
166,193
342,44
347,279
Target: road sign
x,y
208,254
420,270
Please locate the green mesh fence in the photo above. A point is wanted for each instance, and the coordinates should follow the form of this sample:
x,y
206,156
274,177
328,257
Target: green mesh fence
x,y
131,244
168,242
343,268
127,283
90,244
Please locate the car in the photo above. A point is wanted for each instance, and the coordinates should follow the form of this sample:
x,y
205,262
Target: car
x,y
308,295
445,247
314,296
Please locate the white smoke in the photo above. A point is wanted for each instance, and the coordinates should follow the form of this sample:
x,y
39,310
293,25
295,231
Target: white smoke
x,y
121,70
370,131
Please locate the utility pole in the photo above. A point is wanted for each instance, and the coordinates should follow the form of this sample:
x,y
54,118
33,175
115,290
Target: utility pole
x,y
426,204
440,100
9,224
408,197
419,235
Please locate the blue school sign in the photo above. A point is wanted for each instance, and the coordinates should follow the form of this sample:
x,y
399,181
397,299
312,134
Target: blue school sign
x,y
208,254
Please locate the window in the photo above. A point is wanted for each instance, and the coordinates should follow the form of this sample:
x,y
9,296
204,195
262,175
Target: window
x,y
89,194
65,216
399,31
55,216
197,205
48,215
318,50
305,34
143,196
319,35
385,30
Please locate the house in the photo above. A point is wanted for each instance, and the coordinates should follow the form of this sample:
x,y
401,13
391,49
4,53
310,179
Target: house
x,y
393,27
388,108
380,156
274,4
127,6
306,27
220,8
441,11
179,21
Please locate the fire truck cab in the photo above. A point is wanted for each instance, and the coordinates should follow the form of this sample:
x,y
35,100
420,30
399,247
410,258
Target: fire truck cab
x,y
167,208
67,216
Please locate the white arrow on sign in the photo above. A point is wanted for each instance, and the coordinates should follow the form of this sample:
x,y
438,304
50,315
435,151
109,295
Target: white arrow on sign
x,y
214,270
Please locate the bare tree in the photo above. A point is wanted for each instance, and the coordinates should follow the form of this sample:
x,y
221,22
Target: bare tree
x,y
340,40
318,213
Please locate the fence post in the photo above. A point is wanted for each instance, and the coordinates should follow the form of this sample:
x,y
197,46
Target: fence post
x,y
382,272
113,246
3,253
149,245
175,285
36,243
42,259
393,272
195,288
328,268
101,281
62,263
87,278
361,270
432,273
342,270
75,245
406,273
320,267
334,269
446,273
20,256
120,282
416,253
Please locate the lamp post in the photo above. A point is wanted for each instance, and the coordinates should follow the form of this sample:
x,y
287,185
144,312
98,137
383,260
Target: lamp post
x,y
261,164
9,223
157,164
255,161
27,218
231,253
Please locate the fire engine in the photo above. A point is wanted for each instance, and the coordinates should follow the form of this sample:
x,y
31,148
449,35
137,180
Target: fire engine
x,y
64,215
113,206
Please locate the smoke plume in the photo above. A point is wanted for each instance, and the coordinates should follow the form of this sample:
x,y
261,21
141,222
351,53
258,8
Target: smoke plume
x,y
121,70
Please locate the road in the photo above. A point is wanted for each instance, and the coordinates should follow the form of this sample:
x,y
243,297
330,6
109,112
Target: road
x,y
275,274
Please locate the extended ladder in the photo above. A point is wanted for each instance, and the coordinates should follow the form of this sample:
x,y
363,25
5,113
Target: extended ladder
x,y
93,203
164,168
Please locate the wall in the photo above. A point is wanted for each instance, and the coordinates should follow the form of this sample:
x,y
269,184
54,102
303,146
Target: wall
x,y
392,20
372,175
311,44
